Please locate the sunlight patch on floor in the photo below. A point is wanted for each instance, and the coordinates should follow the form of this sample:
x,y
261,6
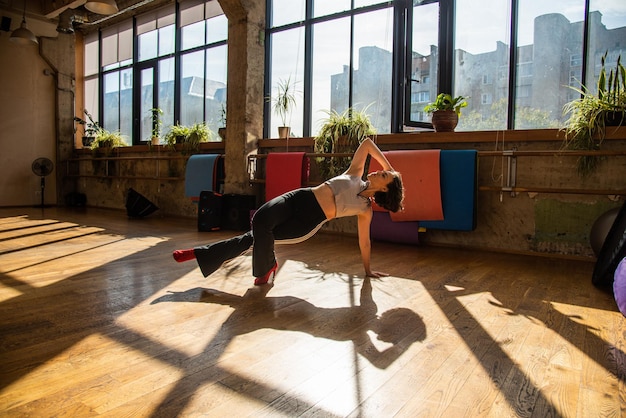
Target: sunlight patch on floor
x,y
187,297
74,367
544,345
8,292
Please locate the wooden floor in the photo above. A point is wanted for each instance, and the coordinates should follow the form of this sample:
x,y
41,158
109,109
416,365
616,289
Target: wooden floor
x,y
96,319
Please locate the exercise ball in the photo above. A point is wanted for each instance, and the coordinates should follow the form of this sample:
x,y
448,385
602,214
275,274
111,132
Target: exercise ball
x,y
601,228
619,286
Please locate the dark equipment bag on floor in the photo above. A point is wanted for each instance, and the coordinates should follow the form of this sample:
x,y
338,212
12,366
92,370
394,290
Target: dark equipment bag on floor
x,y
209,211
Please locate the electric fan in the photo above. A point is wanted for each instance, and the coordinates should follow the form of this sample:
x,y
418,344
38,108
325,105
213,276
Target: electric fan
x,y
42,167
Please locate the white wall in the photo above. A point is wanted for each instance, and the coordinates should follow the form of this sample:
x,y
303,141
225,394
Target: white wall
x,y
27,120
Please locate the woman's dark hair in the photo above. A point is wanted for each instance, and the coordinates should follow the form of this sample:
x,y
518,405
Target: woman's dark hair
x,y
394,196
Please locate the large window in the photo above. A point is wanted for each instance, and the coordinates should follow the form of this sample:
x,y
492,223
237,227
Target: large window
x,y
202,81
340,57
185,78
156,36
116,102
514,61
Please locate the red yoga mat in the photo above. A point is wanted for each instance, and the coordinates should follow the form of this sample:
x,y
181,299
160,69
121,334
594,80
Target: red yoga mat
x,y
422,186
284,171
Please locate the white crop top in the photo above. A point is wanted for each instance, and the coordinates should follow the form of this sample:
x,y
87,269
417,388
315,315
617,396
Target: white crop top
x,y
346,189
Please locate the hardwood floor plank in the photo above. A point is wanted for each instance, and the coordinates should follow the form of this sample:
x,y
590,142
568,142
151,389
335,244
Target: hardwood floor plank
x,y
96,319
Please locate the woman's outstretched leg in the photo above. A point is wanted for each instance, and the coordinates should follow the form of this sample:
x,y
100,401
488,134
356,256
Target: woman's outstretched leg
x,y
289,218
210,257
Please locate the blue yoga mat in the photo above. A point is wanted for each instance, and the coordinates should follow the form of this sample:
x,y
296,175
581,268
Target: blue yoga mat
x,y
201,174
458,191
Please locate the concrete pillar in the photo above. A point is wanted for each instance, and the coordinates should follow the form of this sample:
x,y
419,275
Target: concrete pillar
x,y
246,59
59,54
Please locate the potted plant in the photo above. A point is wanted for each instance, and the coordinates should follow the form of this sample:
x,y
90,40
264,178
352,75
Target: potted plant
x,y
198,133
107,140
612,92
103,145
282,103
221,131
189,137
177,134
445,111
341,133
90,127
590,114
157,123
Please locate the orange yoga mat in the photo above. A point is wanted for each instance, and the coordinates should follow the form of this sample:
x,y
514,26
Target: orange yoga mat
x,y
422,186
284,171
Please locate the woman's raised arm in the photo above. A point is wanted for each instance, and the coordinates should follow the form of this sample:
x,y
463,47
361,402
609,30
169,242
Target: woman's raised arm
x,y
367,147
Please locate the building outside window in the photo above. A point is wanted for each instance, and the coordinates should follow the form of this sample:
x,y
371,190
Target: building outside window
x,y
522,55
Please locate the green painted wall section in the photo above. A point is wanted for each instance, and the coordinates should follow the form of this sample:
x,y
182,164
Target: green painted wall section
x,y
567,222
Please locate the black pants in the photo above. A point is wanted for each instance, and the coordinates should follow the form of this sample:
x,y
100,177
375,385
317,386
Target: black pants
x,y
289,218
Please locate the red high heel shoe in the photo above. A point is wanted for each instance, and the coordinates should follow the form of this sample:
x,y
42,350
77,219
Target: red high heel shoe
x,y
265,278
184,255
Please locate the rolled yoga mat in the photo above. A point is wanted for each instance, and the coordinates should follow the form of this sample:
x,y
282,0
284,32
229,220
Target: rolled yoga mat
x,y
201,174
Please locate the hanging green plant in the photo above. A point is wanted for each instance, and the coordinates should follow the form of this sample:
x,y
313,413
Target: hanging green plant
x,y
589,115
341,133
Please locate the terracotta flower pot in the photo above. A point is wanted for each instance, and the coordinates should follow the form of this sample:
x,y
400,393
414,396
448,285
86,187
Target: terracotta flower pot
x,y
445,120
283,132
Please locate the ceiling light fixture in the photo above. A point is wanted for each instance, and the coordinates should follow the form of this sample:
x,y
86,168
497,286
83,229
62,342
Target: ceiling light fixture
x,y
22,35
102,7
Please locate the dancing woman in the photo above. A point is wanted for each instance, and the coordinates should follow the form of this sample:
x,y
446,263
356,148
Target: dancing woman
x,y
299,214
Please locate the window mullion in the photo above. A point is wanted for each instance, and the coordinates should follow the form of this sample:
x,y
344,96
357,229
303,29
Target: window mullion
x,y
401,72
177,63
308,71
585,51
446,46
136,105
512,67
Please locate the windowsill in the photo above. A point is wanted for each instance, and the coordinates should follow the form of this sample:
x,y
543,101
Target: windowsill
x,y
155,149
529,135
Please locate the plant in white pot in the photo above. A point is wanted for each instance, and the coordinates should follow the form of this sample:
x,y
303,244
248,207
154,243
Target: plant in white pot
x,y
157,124
283,102
445,111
